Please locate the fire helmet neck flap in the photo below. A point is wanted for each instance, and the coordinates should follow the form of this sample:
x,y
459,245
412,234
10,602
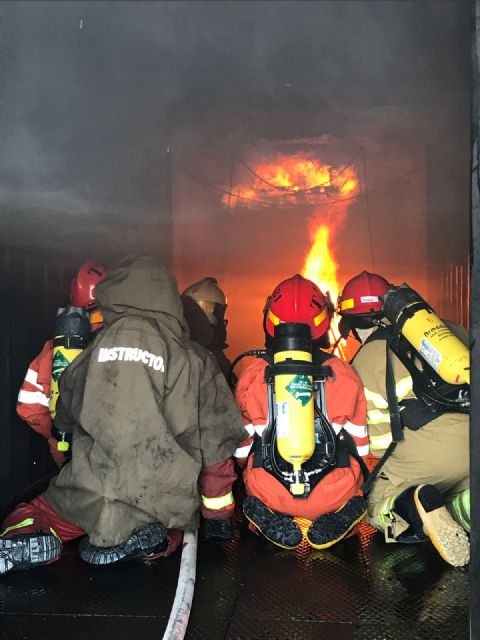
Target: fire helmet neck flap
x,y
82,287
298,300
360,302
210,298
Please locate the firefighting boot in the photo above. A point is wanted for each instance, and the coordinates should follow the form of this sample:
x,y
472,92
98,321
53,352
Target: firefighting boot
x,y
218,529
143,543
447,536
279,529
29,550
330,528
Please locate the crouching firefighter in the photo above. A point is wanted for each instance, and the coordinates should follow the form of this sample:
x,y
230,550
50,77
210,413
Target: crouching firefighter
x,y
415,369
305,412
154,426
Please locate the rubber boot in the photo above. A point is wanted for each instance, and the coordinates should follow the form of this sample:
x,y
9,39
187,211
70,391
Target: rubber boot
x,y
143,543
218,529
29,550
405,507
278,528
330,528
447,536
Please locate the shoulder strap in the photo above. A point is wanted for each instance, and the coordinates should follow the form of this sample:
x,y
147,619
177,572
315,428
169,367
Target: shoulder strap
x,y
395,420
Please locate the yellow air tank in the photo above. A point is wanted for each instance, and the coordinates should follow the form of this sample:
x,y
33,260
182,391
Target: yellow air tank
x,y
295,426
428,334
72,332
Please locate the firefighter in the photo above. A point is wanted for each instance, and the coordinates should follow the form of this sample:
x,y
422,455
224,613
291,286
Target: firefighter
x,y
154,427
421,490
33,404
331,501
204,306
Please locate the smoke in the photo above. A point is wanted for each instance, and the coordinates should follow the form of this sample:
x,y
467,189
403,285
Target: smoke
x,y
91,90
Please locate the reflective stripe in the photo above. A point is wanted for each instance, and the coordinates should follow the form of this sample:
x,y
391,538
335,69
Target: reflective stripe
x,y
380,442
242,452
375,416
377,399
25,523
403,387
259,429
33,397
54,533
337,427
320,318
461,509
385,515
356,430
273,318
32,378
347,304
218,503
250,428
363,450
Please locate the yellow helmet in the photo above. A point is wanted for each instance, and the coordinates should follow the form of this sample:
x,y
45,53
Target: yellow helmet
x,y
207,294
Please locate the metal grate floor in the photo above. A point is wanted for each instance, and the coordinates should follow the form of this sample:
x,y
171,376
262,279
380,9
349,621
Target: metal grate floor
x,y
362,589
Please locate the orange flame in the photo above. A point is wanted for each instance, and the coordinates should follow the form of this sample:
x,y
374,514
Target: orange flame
x,y
321,267
292,180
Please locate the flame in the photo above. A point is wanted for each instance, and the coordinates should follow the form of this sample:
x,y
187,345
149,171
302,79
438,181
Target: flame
x,y
292,180
321,267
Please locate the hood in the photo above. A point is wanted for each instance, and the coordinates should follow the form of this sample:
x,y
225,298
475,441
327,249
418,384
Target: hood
x,y
139,286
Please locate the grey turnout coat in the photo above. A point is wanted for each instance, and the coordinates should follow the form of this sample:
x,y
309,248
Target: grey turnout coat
x,y
147,410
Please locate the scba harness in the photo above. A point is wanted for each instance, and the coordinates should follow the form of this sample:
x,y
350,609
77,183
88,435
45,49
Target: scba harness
x,y
299,446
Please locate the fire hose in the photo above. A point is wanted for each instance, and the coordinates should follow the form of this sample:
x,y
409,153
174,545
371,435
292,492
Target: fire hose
x,y
182,605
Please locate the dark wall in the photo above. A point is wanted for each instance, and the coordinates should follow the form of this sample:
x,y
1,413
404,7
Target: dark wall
x,y
32,285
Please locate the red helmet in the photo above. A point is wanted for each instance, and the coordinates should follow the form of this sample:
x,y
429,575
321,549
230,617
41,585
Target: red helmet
x,y
82,287
359,303
361,295
298,300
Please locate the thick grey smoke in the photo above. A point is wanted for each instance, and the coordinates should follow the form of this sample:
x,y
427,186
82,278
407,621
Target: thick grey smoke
x,y
90,89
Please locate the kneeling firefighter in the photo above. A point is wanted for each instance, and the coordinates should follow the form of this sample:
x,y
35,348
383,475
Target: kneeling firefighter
x,y
415,369
75,326
154,426
305,412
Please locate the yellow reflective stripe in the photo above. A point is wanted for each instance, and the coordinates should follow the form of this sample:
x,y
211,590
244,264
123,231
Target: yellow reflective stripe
x,y
461,508
218,503
320,318
54,533
385,515
273,318
380,442
377,399
347,304
375,416
403,387
25,523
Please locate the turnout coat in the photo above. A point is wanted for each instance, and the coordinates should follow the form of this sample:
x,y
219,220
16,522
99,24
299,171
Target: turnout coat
x,y
148,409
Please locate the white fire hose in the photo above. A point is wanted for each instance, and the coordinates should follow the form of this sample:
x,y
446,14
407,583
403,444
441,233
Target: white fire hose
x,y
182,605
